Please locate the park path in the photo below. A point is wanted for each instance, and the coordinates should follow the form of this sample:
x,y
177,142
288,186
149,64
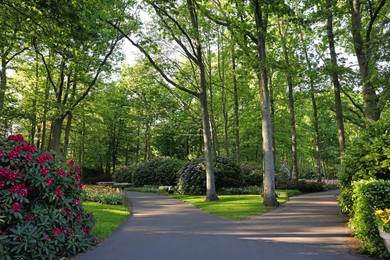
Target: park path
x,y
306,227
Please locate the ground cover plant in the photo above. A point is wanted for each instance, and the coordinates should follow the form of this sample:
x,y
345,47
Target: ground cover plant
x,y
41,213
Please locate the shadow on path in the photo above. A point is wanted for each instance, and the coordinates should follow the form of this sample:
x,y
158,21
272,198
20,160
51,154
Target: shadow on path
x,y
307,227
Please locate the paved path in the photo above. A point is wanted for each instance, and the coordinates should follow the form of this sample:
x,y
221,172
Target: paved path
x,y
307,227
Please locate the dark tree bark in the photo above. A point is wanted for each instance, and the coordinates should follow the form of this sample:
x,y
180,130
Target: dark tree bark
x,y
362,46
335,79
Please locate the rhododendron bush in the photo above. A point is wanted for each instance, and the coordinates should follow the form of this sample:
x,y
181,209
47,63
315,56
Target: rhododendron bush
x,y
41,215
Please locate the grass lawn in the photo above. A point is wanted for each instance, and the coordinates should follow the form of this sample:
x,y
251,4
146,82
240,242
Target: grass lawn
x,y
108,217
232,207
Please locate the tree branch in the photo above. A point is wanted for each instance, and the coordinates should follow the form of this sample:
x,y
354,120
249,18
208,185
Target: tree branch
x,y
373,18
152,62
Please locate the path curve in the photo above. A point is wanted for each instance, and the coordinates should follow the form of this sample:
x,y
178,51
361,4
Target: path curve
x,y
306,227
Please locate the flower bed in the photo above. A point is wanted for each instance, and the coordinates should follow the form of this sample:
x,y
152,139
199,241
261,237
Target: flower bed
x,y
104,194
41,214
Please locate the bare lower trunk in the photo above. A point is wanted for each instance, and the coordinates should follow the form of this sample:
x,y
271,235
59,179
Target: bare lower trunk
x,y
67,134
236,108
3,83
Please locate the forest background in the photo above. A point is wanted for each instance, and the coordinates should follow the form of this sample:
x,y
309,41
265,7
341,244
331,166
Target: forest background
x,y
66,87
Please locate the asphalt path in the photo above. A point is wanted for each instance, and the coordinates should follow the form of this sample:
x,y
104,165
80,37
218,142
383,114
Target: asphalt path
x,y
306,227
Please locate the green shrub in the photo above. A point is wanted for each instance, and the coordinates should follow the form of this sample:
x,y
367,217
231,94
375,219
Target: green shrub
x,y
252,175
158,171
303,186
40,209
367,197
123,174
227,174
241,190
368,157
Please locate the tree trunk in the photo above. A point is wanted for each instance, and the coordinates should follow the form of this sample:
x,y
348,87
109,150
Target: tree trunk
x,y
362,50
315,113
221,74
290,84
269,194
3,83
210,183
236,107
55,138
67,134
335,79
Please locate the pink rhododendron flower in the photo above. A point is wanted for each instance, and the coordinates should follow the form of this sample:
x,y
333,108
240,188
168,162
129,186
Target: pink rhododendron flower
x,y
61,172
16,206
23,192
30,148
57,231
12,155
40,160
44,171
1,153
58,192
49,181
77,177
77,218
70,162
29,217
77,168
2,184
17,138
76,202
28,158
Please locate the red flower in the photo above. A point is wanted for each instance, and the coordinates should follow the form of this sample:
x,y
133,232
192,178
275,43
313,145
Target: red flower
x,y
23,192
17,138
61,172
16,206
76,202
70,162
40,160
58,192
13,155
49,181
2,184
30,148
77,177
28,158
29,217
77,218
77,168
57,231
1,153
44,171
47,156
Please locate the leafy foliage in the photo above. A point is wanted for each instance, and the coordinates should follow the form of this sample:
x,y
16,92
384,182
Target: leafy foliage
x,y
40,207
193,176
367,197
367,158
157,171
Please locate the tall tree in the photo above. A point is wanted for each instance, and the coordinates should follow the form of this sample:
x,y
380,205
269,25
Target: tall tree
x,y
190,42
335,77
363,49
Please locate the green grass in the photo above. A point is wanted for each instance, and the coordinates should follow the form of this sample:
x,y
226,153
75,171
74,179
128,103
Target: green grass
x,y
108,217
232,207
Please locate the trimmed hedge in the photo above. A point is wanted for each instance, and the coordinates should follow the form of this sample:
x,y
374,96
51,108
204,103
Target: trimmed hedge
x,y
192,180
368,196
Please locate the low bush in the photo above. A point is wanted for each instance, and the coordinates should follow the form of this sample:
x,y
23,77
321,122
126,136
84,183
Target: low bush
x,y
303,186
41,214
192,181
367,197
252,175
123,174
157,171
